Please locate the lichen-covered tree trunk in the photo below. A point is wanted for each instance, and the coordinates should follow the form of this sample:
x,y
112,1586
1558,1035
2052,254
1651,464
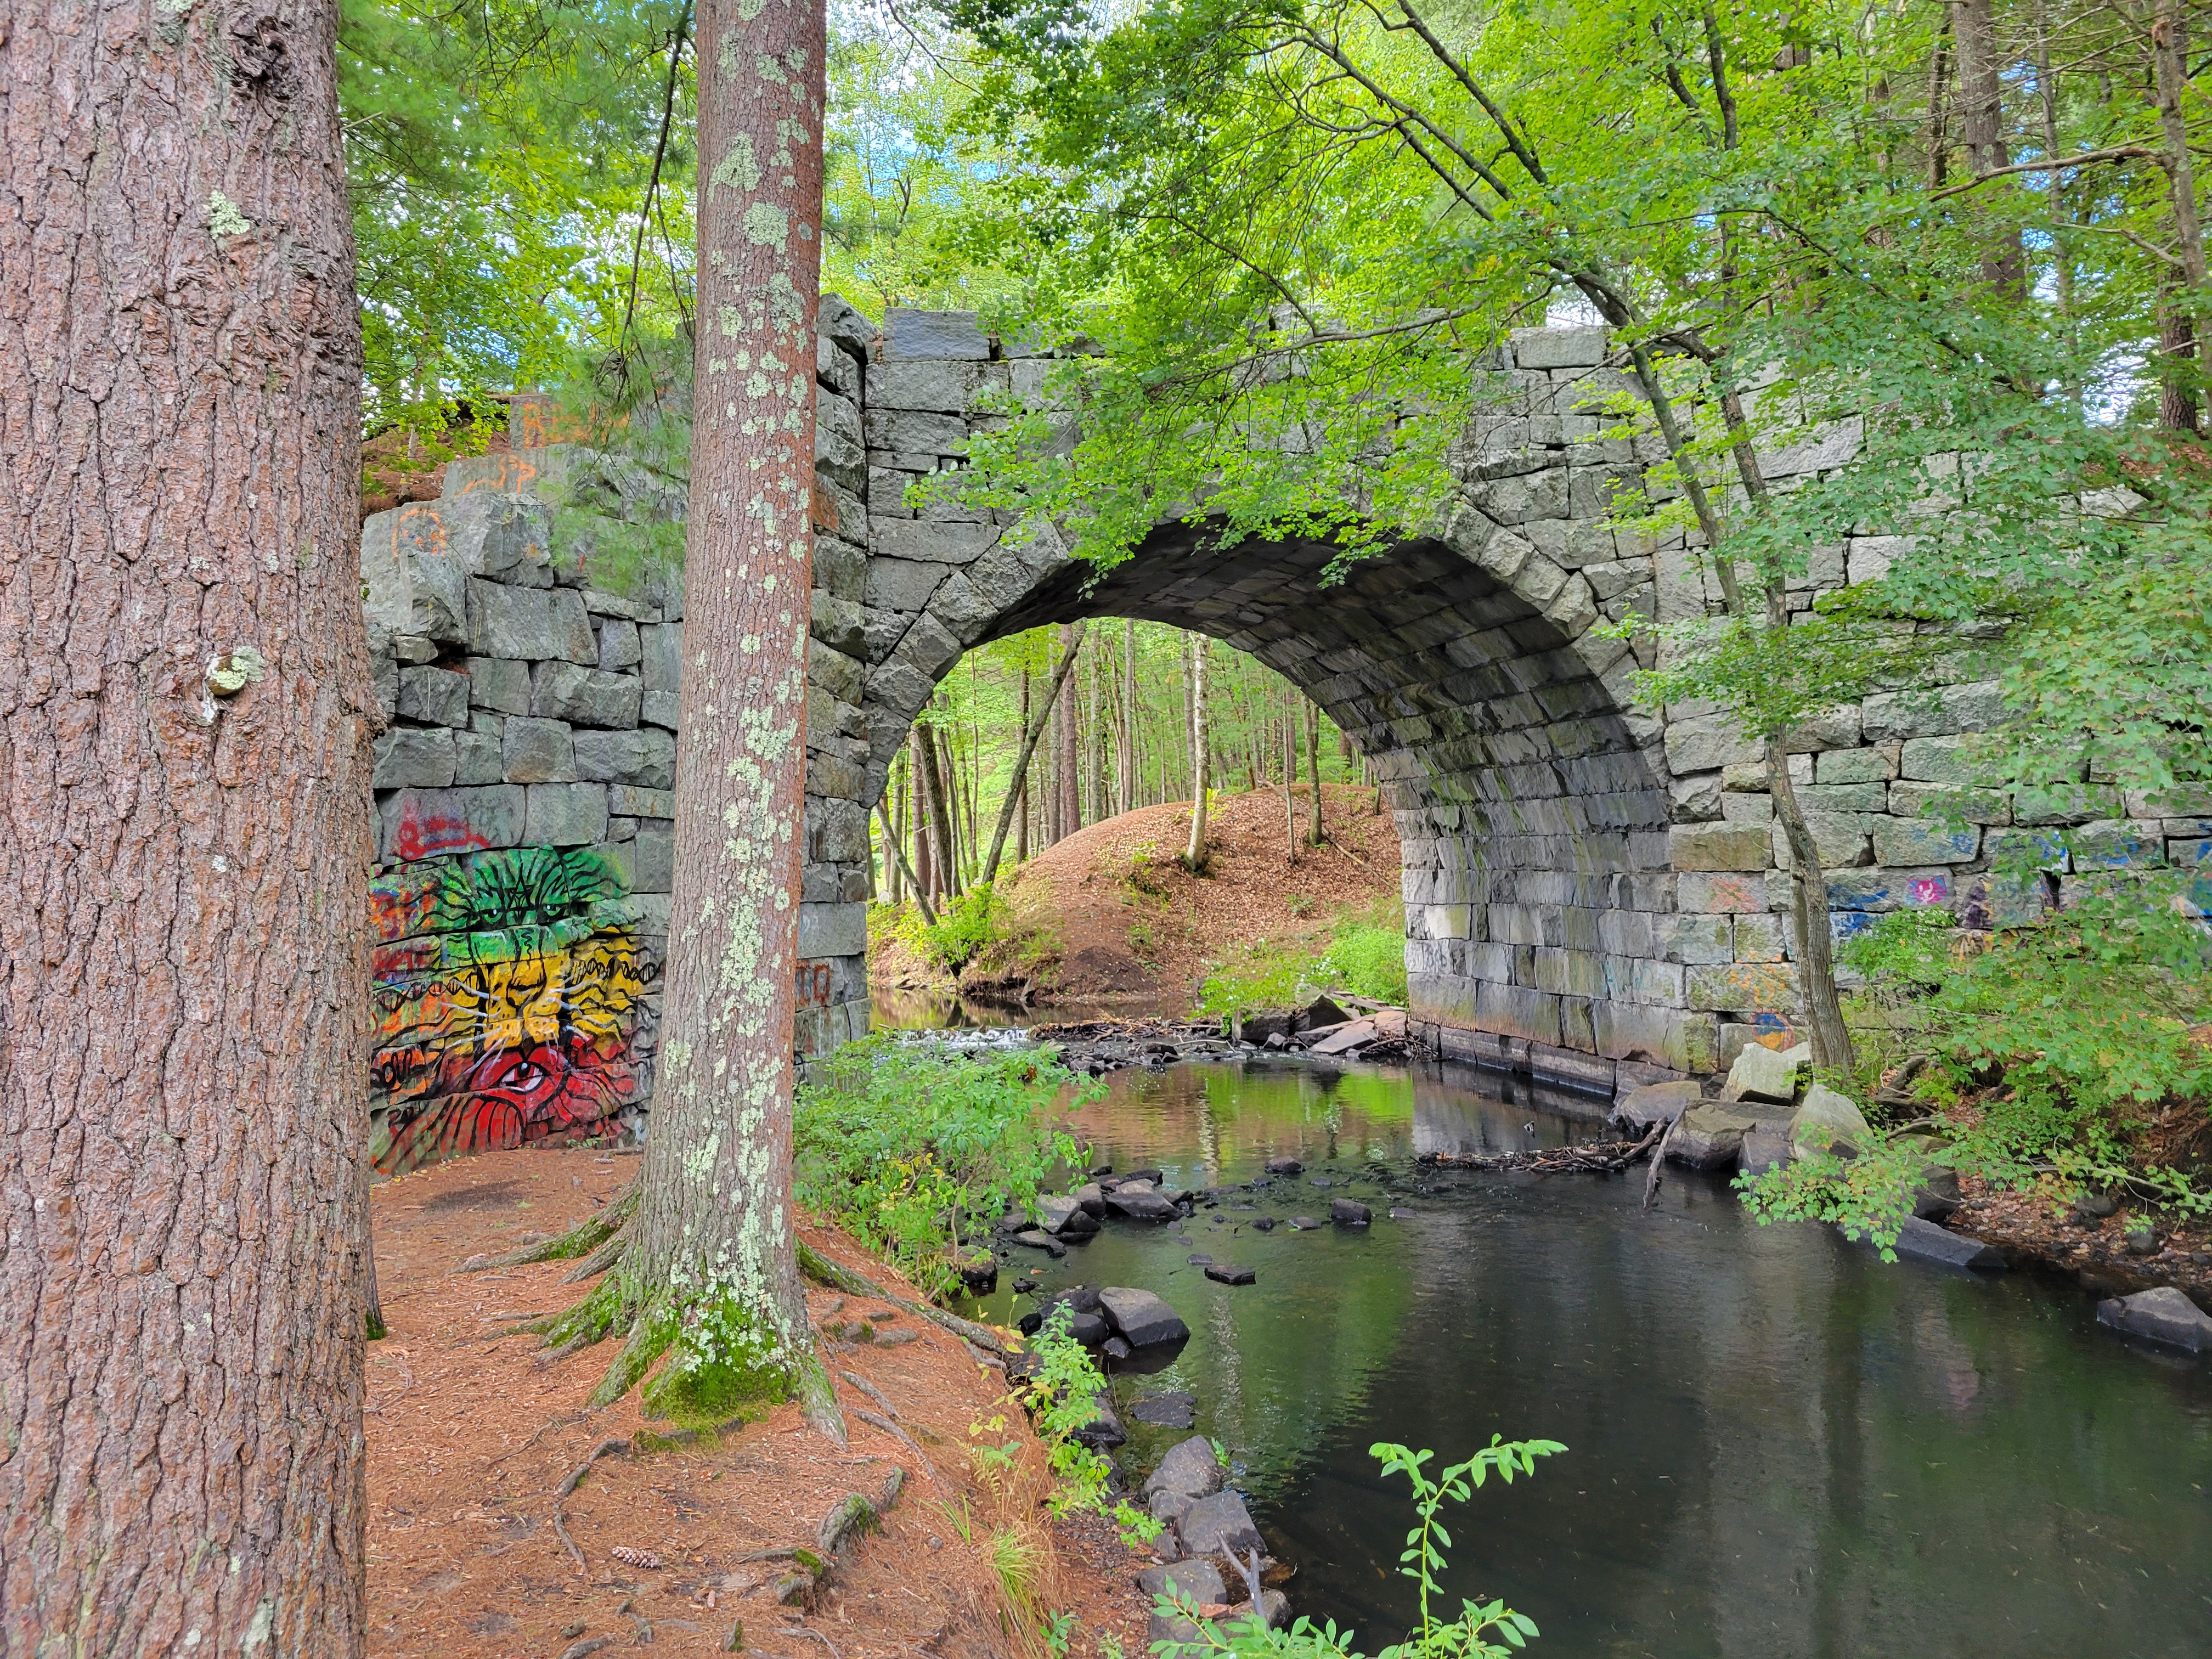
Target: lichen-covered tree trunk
x,y
185,716
709,1278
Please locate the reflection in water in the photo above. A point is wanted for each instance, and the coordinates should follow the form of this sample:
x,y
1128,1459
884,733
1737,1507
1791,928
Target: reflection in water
x,y
1778,1446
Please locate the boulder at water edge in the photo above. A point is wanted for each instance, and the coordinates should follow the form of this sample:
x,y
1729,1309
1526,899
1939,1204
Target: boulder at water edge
x,y
1319,1013
1766,1147
1103,1431
2165,1314
1195,1581
1274,1612
1349,1213
1190,1467
1762,1073
1140,1317
1284,1166
1090,1198
1710,1137
1923,1241
1219,1525
1641,1111
1827,1122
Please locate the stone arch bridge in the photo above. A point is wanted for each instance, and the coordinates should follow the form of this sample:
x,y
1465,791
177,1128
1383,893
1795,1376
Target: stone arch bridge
x,y
1592,892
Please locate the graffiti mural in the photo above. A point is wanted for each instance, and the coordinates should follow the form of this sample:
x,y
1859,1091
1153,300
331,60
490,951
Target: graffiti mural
x,y
511,1004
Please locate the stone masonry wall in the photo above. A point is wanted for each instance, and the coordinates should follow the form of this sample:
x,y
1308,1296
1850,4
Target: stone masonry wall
x,y
524,786
1593,893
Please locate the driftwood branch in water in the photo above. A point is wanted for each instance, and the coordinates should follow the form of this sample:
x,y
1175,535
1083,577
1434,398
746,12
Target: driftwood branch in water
x,y
1596,1158
1658,1160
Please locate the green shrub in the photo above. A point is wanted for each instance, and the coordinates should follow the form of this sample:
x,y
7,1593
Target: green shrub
x,y
900,1142
2086,1020
1366,956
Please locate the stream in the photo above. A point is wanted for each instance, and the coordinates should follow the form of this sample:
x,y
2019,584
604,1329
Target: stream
x,y
1777,1444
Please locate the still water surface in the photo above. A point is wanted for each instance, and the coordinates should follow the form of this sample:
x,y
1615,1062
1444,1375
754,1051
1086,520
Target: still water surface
x,y
1778,1446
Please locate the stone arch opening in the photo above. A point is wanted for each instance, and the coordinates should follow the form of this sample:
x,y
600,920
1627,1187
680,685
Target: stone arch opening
x,y
1532,819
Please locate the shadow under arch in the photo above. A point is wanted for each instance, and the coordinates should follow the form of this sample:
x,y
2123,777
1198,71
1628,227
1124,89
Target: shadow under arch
x,y
1532,814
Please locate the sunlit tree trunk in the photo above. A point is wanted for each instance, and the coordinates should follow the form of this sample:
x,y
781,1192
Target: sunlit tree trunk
x,y
1313,765
1195,853
1067,769
707,1286
185,717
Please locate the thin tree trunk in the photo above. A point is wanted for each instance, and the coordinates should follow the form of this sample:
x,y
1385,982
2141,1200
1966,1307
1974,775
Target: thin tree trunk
x,y
926,869
1195,854
2182,317
1016,791
940,820
710,1277
1981,92
1187,650
957,854
921,892
1021,784
1290,782
1313,764
185,717
894,863
1816,971
1128,699
1066,766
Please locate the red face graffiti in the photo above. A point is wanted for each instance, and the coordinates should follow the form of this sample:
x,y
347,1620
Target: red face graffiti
x,y
517,1015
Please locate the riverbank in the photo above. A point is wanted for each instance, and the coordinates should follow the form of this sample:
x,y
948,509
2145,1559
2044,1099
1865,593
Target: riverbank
x,y
471,1434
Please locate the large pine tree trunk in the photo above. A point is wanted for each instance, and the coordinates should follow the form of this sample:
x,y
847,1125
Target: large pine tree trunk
x,y
710,1277
185,713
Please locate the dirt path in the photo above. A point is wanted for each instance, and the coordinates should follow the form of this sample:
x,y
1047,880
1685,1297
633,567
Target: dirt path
x,y
1123,924
471,1435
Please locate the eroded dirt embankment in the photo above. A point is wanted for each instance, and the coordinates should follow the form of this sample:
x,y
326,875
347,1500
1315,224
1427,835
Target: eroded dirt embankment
x,y
1109,918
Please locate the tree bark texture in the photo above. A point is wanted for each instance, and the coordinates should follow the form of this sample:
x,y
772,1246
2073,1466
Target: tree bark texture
x,y
711,1279
185,714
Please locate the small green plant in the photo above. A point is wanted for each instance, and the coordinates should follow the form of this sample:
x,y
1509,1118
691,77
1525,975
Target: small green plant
x,y
1066,1390
900,1142
1058,1630
1467,1636
1869,1195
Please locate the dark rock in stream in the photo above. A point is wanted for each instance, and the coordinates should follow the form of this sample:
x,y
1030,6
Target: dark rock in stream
x,y
1023,1286
1222,1274
1304,1223
1115,1348
1284,1166
1137,1201
1167,1410
1263,1224
1090,1198
1350,1212
1141,1316
1035,1240
1197,1260
1170,1507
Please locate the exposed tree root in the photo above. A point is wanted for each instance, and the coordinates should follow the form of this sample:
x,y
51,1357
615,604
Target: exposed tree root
x,y
822,1271
610,1447
583,1239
